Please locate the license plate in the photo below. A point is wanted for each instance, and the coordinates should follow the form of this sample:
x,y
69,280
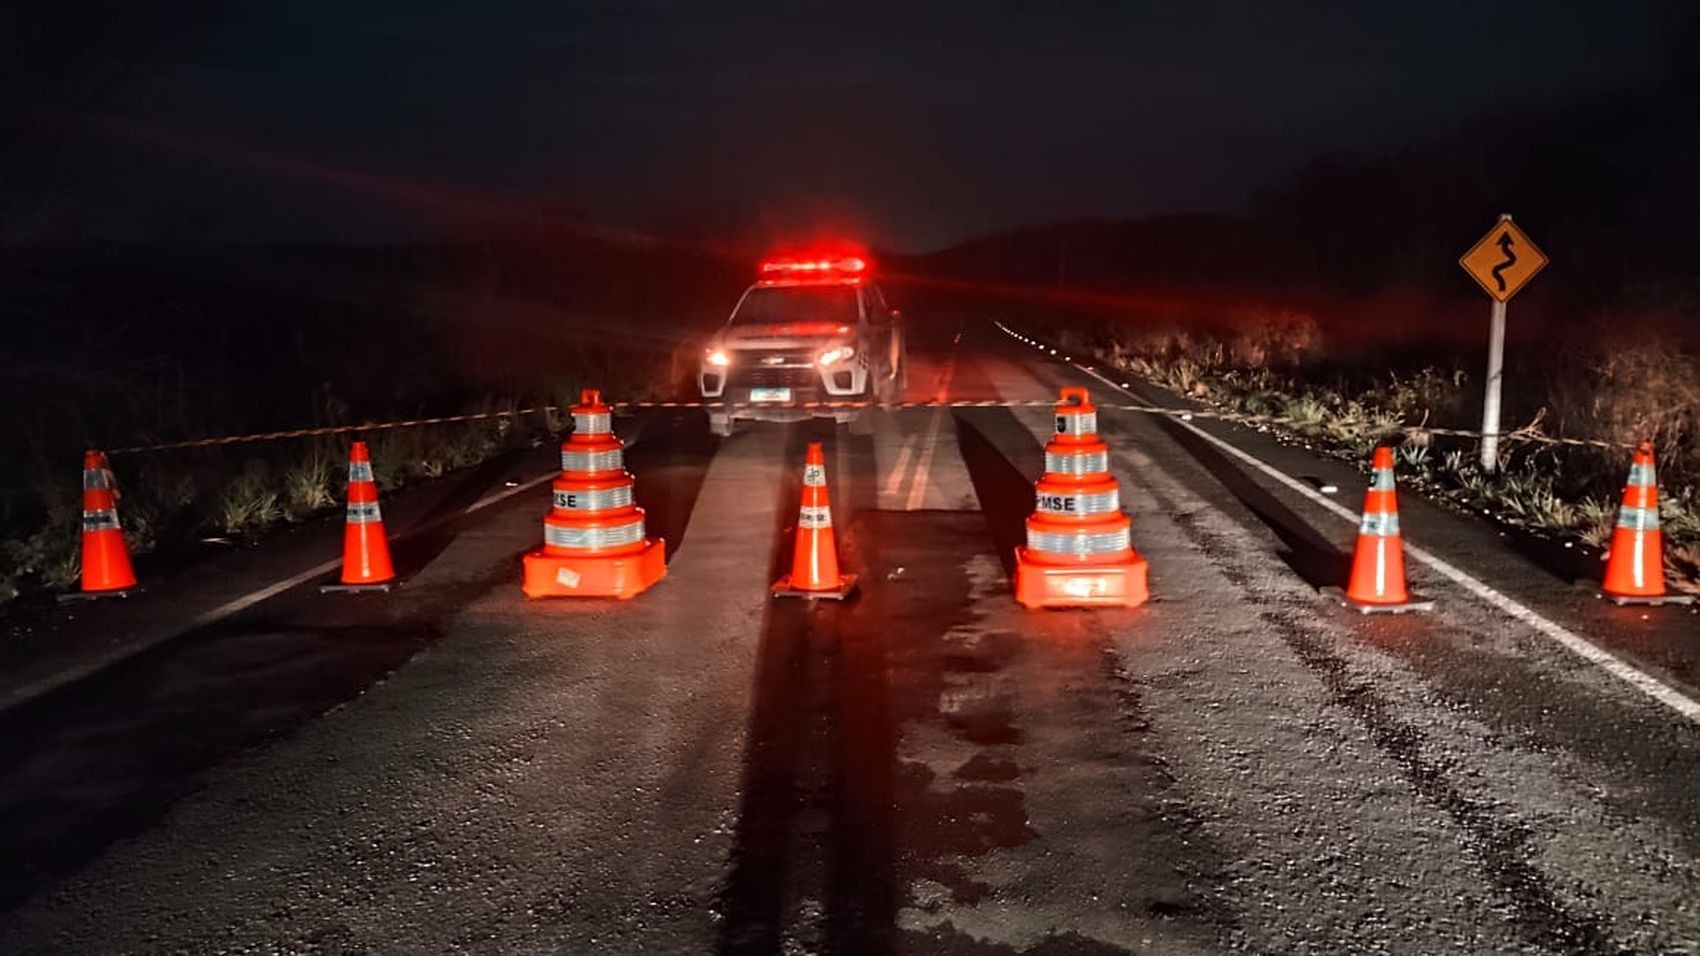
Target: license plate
x,y
770,395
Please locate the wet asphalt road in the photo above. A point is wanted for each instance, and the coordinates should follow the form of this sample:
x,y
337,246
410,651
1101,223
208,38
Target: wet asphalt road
x,y
1239,765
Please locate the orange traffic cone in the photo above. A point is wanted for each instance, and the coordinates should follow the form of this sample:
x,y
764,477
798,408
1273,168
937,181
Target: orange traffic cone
x,y
1079,552
1377,584
106,559
1635,563
365,550
593,536
814,559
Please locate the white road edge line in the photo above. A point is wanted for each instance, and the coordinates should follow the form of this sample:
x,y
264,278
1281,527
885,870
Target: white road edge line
x,y
235,605
503,495
1575,643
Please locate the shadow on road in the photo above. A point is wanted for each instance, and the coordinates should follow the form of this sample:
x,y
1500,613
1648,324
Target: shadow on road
x,y
834,823
991,440
1311,556
670,458
426,537
818,742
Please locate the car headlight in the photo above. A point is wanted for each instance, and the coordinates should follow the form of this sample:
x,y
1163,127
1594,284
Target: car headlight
x,y
718,358
836,355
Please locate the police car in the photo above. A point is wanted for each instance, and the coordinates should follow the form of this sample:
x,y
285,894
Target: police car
x,y
811,329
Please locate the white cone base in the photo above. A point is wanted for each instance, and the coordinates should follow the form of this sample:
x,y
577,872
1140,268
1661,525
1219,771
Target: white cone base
x,y
846,587
1409,607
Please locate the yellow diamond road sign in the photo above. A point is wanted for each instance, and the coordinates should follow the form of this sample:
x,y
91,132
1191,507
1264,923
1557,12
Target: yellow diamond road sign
x,y
1504,260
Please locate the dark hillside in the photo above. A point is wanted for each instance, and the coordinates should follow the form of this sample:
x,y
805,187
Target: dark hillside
x,y
123,344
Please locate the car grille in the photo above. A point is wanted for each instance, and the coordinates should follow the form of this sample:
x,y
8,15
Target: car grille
x,y
796,369
774,378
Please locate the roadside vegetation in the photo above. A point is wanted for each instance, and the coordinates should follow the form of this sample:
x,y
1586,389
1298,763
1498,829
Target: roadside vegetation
x,y
192,343
175,501
1277,371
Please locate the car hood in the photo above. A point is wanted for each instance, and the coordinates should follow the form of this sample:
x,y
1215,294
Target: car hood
x,y
757,335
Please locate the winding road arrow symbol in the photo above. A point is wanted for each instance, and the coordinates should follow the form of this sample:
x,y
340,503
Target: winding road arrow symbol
x,y
1503,260
1505,243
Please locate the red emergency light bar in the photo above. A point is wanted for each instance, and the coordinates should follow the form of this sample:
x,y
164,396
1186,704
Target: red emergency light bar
x,y
792,268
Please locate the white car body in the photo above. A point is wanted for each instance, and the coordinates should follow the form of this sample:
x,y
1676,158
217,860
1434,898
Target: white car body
x,y
780,349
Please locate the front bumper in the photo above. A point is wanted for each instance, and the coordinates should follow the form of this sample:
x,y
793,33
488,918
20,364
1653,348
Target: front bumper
x,y
807,383
783,415
805,404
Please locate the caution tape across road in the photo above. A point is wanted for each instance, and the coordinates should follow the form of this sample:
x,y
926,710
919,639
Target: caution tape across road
x,y
1217,413
1238,418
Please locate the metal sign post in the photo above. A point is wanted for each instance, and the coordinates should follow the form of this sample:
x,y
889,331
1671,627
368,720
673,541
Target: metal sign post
x,y
1502,262
1495,378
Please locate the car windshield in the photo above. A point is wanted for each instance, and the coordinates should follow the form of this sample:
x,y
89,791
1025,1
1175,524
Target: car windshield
x,y
787,304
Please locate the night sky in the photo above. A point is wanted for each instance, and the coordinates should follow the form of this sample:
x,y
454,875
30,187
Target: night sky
x,y
909,127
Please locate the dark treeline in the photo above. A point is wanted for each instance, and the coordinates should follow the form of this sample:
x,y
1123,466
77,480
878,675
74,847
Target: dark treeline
x,y
124,343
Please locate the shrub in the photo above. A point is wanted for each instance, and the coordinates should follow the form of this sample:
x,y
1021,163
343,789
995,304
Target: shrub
x,y
1643,385
309,485
1273,365
1679,513
398,457
49,555
1417,397
1273,339
1595,519
1306,414
250,502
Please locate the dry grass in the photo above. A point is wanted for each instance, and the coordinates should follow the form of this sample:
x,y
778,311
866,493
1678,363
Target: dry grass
x,y
309,486
250,503
1642,386
174,499
1275,367
49,554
